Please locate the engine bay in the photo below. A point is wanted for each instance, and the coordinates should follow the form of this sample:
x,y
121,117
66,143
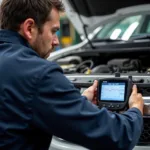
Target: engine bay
x,y
108,63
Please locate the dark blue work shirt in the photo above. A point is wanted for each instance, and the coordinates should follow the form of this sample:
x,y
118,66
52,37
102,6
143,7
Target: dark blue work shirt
x,y
38,101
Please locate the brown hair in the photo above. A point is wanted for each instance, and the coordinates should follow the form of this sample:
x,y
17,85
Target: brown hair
x,y
15,12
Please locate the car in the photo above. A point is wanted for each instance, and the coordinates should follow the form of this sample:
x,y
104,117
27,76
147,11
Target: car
x,y
116,39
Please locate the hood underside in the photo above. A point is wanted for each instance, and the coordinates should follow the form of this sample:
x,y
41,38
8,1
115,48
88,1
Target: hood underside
x,y
90,8
93,12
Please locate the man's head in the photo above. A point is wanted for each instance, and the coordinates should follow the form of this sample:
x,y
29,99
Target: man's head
x,y
36,20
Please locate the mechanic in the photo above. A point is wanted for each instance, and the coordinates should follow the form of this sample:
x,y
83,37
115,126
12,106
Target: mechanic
x,y
38,101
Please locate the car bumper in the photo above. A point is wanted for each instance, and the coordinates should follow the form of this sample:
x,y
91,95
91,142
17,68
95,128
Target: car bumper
x,y
59,144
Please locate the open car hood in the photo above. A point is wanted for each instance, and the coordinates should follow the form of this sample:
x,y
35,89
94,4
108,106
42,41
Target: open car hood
x,y
93,12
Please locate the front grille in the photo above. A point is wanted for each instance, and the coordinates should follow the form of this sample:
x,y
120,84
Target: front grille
x,y
144,88
145,136
145,91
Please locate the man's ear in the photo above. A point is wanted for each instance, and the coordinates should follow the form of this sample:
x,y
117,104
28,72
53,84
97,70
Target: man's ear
x,y
28,28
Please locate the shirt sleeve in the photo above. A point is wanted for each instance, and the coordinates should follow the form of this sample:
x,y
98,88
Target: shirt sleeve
x,y
59,109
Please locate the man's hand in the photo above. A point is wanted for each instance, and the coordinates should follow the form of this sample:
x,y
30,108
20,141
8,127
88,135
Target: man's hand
x,y
136,100
90,93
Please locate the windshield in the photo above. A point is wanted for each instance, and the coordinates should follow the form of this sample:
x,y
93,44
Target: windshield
x,y
120,29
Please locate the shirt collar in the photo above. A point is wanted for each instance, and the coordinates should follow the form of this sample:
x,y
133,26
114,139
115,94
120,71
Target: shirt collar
x,y
12,37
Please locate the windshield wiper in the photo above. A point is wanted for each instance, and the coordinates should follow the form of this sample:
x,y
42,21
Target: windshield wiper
x,y
140,37
107,40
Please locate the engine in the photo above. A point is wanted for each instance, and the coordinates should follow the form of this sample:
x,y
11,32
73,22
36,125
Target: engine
x,y
94,65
